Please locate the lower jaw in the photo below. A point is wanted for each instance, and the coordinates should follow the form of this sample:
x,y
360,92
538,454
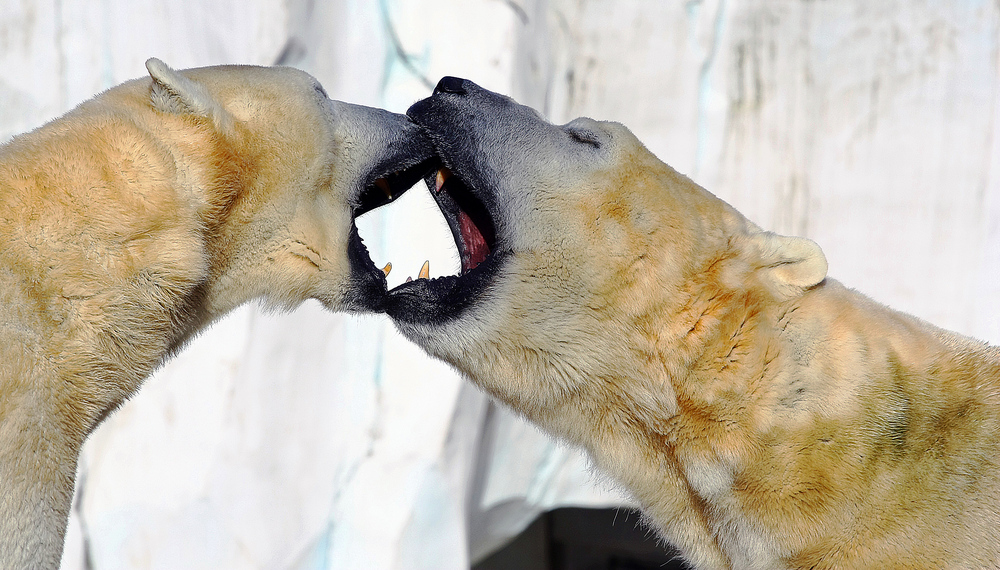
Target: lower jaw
x,y
438,301
366,290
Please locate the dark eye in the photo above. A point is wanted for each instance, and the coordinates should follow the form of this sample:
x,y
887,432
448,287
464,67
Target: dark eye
x,y
585,137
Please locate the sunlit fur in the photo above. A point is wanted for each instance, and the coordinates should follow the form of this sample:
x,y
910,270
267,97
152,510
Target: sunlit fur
x,y
129,224
762,415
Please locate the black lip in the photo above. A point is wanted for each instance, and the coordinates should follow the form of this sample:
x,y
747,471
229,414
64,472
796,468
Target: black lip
x,y
455,198
367,283
399,177
406,161
435,301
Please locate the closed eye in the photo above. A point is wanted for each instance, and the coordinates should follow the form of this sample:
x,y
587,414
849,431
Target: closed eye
x,y
321,91
585,137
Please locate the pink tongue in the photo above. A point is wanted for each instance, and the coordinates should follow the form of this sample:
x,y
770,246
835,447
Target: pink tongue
x,y
476,248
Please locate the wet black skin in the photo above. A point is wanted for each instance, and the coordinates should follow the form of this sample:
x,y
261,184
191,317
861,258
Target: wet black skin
x,y
406,158
451,117
472,131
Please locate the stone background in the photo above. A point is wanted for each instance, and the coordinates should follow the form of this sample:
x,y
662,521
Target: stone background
x,y
313,440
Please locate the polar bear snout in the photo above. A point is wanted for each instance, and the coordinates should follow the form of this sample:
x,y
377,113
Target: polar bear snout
x,y
504,168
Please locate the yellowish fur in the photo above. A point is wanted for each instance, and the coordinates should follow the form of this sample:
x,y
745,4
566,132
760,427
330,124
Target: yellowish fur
x,y
762,415
131,223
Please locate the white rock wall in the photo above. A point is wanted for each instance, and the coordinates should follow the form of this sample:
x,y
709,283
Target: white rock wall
x,y
312,440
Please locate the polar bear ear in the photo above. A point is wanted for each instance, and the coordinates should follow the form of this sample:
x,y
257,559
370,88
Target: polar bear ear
x,y
174,93
789,264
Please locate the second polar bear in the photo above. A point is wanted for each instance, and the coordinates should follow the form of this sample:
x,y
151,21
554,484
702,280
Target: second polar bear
x,y
144,214
762,415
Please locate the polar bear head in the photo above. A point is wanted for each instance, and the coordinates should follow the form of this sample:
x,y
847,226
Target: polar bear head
x,y
578,246
287,170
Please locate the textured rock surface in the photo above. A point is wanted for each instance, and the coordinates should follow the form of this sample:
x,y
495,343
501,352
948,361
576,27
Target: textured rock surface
x,y
313,440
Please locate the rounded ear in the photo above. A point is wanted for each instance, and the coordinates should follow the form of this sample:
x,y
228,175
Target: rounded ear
x,y
789,264
174,93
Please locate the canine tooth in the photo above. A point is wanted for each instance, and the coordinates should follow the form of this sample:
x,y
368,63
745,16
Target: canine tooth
x,y
387,269
425,270
442,175
408,279
383,185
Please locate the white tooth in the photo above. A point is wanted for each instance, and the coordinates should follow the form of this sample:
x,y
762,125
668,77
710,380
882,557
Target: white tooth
x,y
408,279
383,185
387,269
442,175
425,270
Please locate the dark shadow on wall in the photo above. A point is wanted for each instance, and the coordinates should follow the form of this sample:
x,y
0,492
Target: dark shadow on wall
x,y
585,539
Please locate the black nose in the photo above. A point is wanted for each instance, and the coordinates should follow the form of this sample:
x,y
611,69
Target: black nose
x,y
450,85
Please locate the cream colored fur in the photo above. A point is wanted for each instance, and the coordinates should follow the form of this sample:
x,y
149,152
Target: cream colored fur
x,y
132,222
762,415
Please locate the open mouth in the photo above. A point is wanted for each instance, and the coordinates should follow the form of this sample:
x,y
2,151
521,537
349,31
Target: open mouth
x,y
474,230
469,200
383,185
470,222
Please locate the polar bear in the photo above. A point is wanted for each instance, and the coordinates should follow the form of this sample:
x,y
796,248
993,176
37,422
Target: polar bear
x,y
762,415
141,216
